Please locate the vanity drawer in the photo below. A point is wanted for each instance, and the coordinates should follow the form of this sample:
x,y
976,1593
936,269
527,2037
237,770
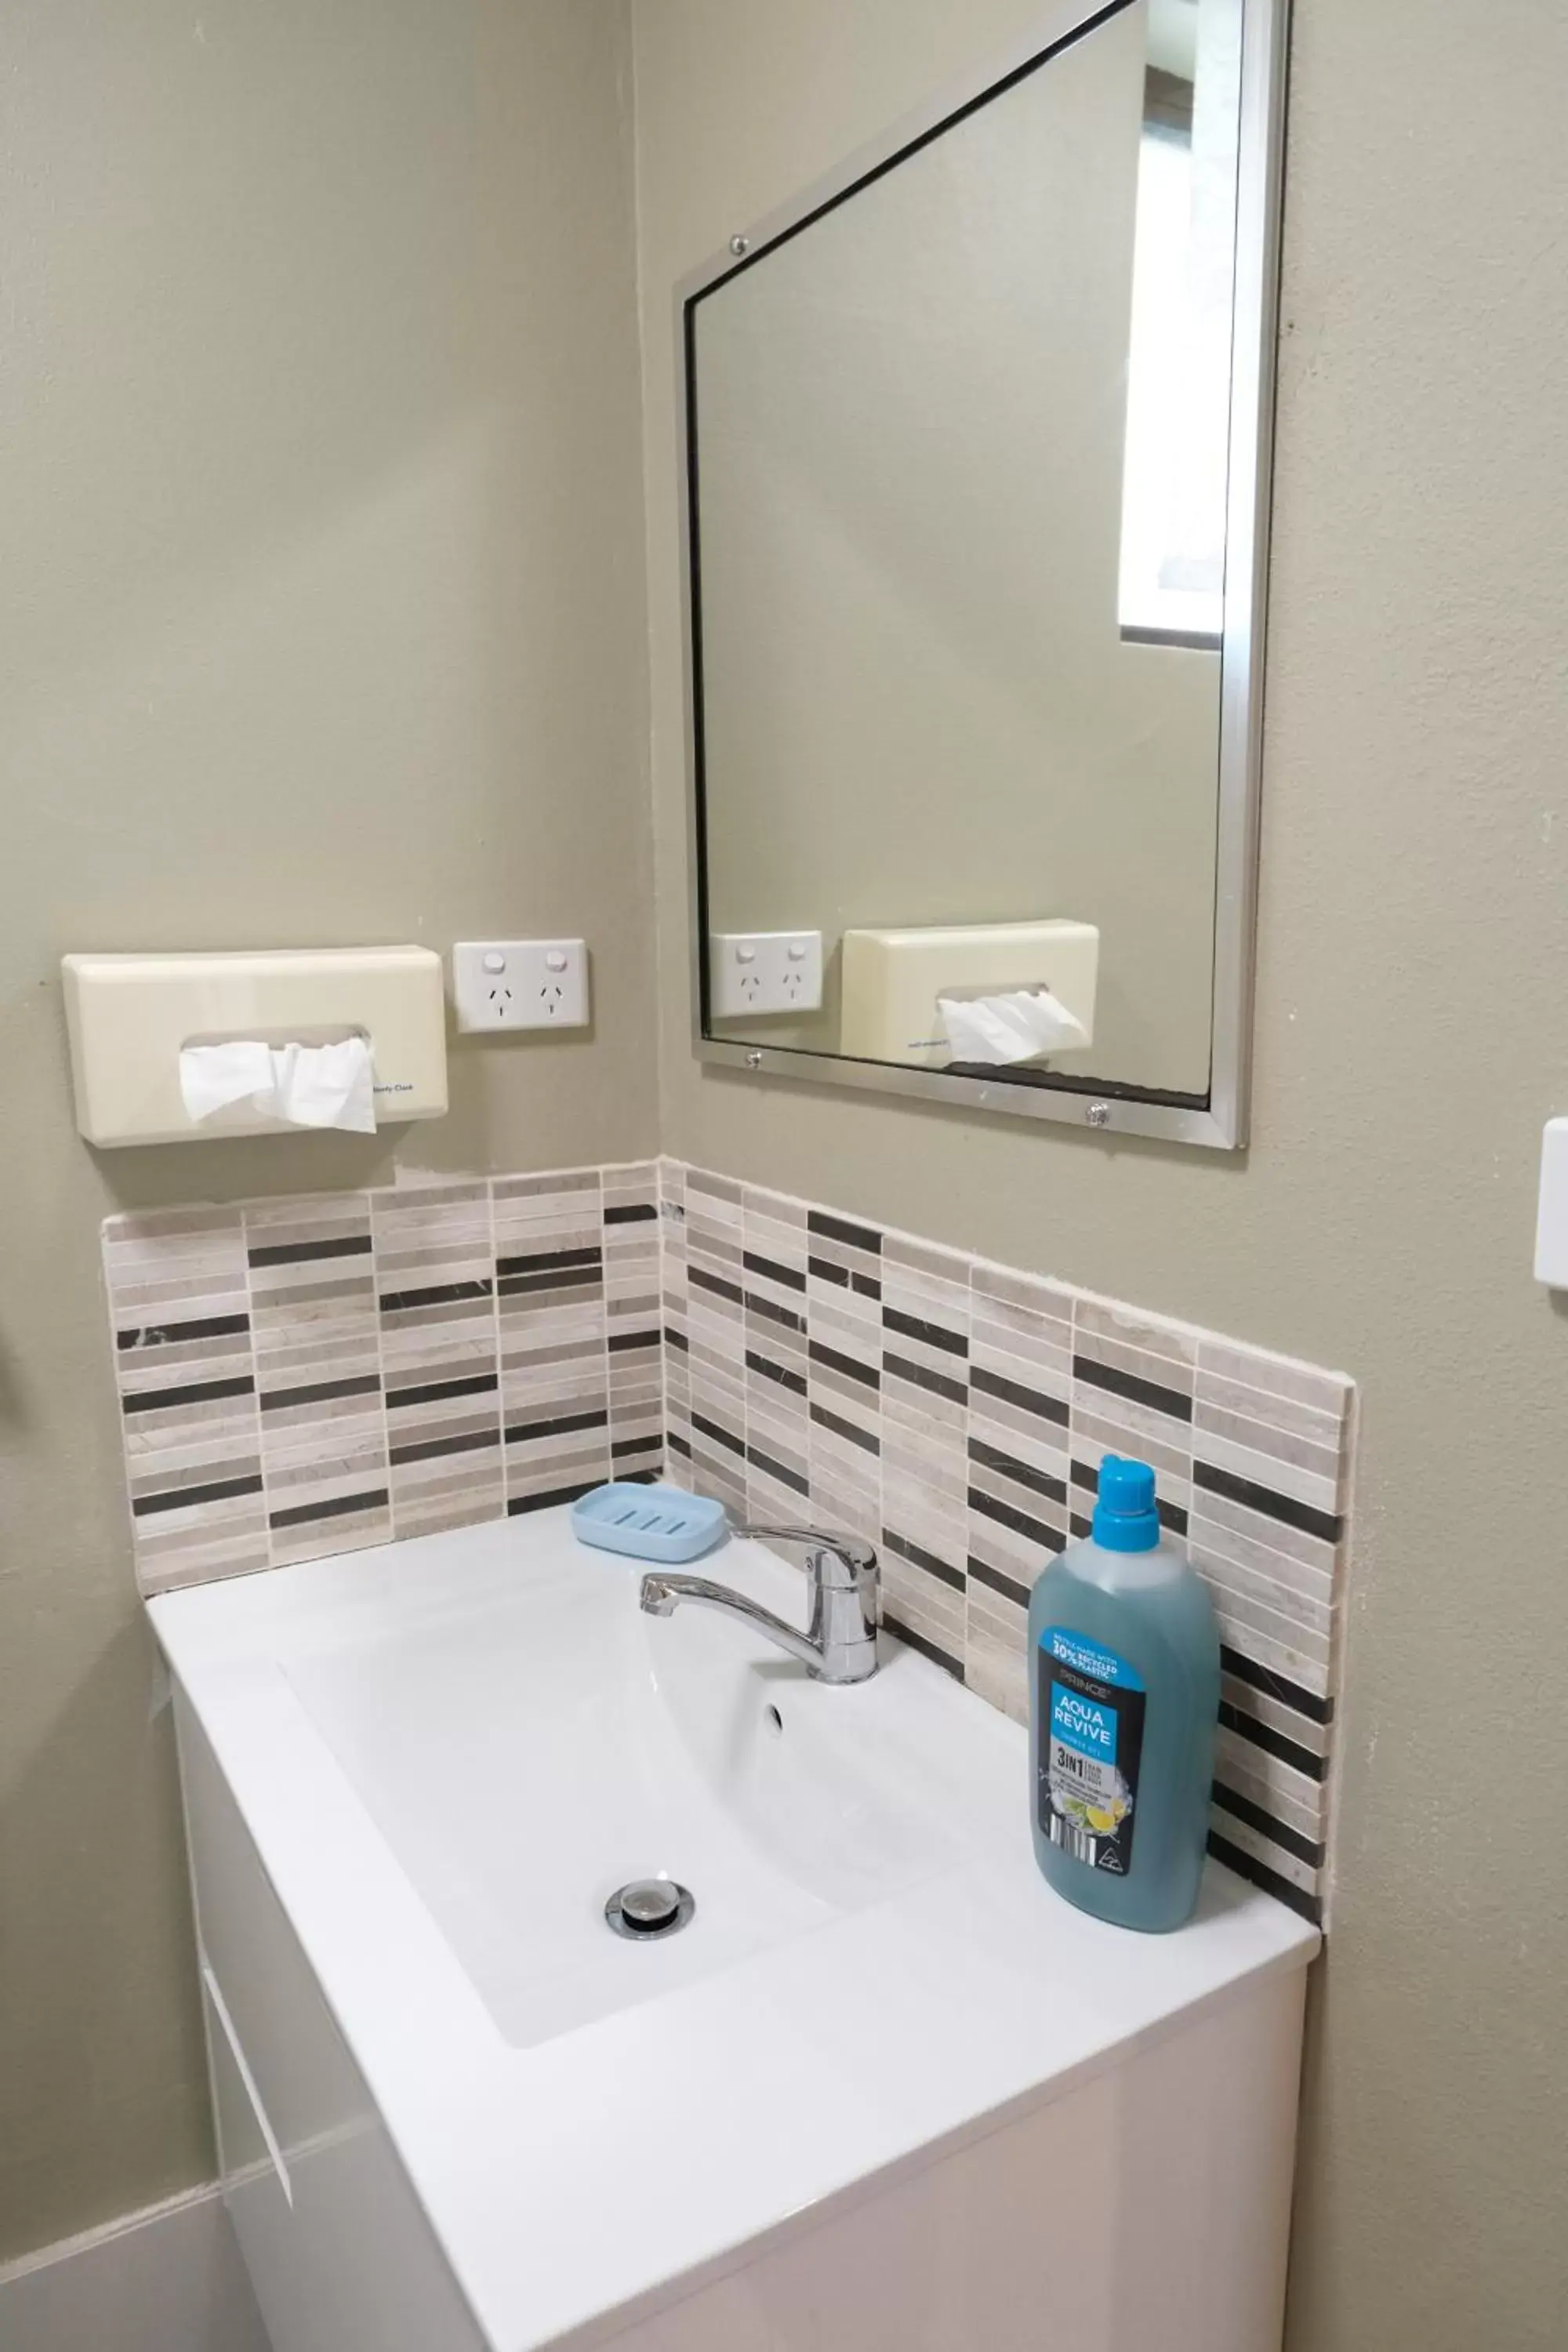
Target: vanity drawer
x,y
337,2245
307,2082
255,2180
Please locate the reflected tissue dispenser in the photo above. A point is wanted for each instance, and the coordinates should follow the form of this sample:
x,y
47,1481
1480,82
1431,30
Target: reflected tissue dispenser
x,y
969,992
174,1048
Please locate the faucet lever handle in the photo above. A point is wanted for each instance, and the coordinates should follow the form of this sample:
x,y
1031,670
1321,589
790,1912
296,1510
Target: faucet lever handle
x,y
852,1555
839,1646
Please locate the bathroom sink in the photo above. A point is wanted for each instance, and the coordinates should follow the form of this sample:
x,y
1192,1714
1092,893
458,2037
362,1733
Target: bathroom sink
x,y
527,1748
881,2089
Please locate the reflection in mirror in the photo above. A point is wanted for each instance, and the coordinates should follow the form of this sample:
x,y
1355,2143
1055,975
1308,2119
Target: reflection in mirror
x,y
961,443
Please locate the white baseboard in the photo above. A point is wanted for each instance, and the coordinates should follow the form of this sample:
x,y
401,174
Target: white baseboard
x,y
168,2280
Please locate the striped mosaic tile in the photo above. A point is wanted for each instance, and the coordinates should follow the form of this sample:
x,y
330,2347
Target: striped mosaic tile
x,y
957,1413
716,1338
634,1321
317,1339
300,1377
303,1377
186,1366
436,1298
554,1366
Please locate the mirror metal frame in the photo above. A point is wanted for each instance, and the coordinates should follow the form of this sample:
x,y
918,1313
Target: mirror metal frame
x,y
1221,1124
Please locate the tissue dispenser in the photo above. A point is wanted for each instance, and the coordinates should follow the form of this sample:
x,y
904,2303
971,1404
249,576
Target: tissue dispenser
x,y
128,1017
890,981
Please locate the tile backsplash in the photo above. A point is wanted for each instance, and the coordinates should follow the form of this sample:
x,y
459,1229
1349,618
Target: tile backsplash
x,y
307,1376
301,1377
955,1413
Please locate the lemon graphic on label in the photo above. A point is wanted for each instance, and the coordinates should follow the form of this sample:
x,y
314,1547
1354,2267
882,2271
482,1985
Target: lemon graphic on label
x,y
1100,1819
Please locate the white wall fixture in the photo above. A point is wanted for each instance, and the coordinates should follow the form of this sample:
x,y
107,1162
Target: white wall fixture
x,y
499,984
1552,1212
765,971
130,1017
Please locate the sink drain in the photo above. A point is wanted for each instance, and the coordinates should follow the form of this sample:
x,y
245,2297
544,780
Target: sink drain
x,y
646,1908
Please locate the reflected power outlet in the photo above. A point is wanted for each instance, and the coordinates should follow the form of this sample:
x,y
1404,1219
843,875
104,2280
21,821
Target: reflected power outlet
x,y
764,971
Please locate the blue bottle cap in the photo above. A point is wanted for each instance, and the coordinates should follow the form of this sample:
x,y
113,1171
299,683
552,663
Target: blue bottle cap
x,y
1125,1519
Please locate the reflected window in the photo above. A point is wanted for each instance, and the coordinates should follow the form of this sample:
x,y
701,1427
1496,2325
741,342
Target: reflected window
x,y
1172,574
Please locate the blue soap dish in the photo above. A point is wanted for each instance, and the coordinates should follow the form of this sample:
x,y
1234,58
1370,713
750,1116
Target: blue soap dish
x,y
662,1523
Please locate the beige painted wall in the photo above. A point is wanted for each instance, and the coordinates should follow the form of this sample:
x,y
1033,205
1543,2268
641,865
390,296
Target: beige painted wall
x,y
321,510
322,621
1412,1034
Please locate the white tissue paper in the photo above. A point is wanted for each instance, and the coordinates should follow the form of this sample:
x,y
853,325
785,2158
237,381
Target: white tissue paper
x,y
304,1086
1013,1026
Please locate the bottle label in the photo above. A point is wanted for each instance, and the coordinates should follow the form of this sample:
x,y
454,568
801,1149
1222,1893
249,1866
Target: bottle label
x,y
1091,1738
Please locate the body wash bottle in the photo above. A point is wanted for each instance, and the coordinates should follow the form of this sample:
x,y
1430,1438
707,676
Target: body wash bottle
x,y
1123,1701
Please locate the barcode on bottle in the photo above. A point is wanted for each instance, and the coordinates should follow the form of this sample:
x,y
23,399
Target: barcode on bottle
x,y
1076,1841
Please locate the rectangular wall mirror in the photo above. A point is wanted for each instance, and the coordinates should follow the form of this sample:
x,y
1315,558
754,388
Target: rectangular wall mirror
x,y
977,441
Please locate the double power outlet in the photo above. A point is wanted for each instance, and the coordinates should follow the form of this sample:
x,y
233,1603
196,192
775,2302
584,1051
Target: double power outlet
x,y
520,983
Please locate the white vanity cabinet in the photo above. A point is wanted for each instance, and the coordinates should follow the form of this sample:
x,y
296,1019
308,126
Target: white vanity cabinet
x,y
886,2095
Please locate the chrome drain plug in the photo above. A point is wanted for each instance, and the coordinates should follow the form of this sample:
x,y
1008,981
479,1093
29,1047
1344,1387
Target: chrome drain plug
x,y
644,1908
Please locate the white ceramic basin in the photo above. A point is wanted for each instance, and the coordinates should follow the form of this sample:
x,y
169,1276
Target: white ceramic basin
x,y
526,1747
413,1777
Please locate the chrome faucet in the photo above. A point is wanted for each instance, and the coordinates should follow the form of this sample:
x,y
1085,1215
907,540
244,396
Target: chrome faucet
x,y
839,1646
